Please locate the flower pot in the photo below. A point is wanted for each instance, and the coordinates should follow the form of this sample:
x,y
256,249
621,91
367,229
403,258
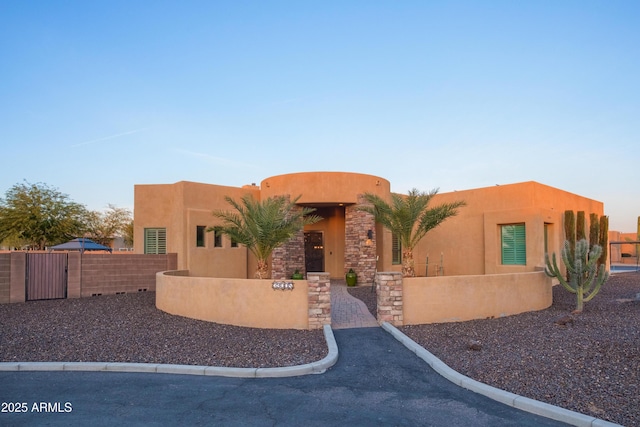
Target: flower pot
x,y
351,277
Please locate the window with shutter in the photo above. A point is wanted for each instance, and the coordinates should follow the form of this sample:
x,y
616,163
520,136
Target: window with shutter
x,y
396,250
514,244
155,241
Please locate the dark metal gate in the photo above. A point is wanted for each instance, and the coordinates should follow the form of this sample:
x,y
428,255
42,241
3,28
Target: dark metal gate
x,y
46,276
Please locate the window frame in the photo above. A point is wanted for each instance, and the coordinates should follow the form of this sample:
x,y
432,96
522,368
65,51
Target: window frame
x,y
217,239
396,250
155,241
513,244
201,241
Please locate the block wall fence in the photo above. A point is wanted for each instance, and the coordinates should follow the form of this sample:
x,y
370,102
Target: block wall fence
x,y
89,274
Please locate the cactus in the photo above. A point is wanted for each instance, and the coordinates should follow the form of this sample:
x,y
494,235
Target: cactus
x,y
580,227
603,241
585,275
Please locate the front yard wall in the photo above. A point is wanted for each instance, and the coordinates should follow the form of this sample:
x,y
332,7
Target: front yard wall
x,y
108,274
89,274
246,302
423,300
5,278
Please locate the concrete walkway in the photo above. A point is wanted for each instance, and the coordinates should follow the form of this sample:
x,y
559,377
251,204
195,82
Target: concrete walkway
x,y
346,311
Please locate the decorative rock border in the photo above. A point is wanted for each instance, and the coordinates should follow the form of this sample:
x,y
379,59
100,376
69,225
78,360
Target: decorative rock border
x,y
287,371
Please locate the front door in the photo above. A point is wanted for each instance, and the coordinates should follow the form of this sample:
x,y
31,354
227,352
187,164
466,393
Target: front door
x,y
313,251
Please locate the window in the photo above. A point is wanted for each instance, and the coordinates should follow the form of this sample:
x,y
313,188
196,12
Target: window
x,y
514,244
217,239
547,227
200,230
155,241
396,249
234,244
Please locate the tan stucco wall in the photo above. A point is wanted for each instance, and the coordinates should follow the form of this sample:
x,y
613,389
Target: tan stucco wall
x,y
180,208
241,302
470,242
324,187
460,298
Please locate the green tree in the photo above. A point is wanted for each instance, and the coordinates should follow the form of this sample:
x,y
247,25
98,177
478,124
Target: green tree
x,y
103,227
264,225
410,218
39,216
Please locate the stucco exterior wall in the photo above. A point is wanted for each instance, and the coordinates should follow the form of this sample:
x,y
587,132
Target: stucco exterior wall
x,y
468,244
180,208
459,298
240,302
318,188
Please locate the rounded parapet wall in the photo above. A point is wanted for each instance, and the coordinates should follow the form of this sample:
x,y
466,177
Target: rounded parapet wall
x,y
252,303
317,188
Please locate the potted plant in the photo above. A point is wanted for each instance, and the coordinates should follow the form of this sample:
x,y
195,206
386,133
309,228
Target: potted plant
x,y
351,277
297,275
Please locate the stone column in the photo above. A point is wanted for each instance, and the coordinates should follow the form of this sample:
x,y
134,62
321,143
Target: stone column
x,y
319,298
289,257
390,302
359,249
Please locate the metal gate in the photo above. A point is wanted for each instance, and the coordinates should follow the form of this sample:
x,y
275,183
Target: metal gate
x,y
46,276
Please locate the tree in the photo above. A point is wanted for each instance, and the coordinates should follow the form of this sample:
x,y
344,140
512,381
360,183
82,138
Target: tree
x,y
410,218
263,226
39,216
103,227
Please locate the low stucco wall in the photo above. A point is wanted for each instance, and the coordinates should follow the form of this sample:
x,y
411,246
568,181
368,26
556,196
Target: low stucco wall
x,y
460,298
241,302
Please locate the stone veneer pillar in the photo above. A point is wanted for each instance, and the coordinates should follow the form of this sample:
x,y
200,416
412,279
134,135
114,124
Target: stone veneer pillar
x,y
319,297
358,254
289,257
390,302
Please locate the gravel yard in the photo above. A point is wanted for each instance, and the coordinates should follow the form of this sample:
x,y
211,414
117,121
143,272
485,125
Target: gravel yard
x,y
129,328
591,364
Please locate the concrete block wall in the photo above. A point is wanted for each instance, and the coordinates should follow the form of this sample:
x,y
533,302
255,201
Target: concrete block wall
x,y
107,274
5,277
89,274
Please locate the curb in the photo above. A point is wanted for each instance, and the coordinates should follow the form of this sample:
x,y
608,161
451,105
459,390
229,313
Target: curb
x,y
523,403
318,367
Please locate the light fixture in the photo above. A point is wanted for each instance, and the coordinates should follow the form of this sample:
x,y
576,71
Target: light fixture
x,y
369,240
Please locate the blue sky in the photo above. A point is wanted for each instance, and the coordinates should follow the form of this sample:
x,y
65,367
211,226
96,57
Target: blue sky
x,y
97,96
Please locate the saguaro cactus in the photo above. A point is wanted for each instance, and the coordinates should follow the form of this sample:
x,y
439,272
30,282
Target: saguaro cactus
x,y
586,276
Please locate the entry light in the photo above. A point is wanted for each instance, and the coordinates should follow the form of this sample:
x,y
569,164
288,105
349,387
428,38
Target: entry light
x,y
369,240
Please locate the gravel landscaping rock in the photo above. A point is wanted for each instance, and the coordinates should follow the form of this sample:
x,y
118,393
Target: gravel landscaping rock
x,y
129,328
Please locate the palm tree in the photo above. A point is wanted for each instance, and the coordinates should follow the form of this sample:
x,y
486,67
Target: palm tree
x,y
263,226
409,218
